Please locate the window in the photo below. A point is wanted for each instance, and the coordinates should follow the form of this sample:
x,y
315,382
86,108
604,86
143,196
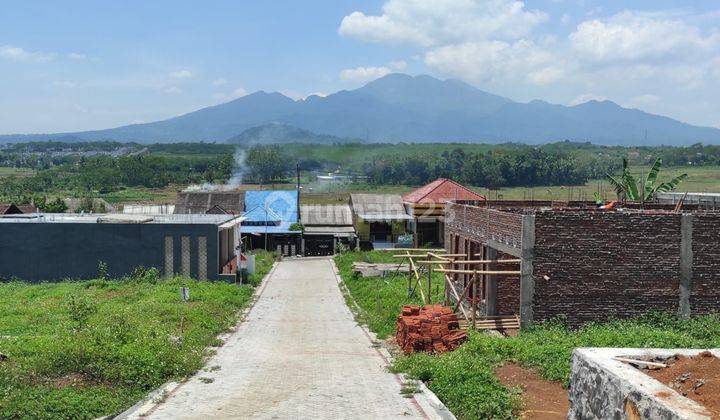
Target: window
x,y
169,254
185,256
202,258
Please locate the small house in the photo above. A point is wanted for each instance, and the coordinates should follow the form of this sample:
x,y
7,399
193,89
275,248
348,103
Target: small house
x,y
380,220
269,219
210,202
426,205
52,247
325,228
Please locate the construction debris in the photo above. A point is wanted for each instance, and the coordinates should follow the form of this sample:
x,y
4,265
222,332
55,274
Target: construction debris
x,y
431,328
366,269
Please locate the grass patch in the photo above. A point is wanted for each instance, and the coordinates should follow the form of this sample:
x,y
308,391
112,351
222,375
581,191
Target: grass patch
x,y
464,379
381,299
93,348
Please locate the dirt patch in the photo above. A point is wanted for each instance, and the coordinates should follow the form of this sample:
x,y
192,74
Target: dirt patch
x,y
542,399
697,378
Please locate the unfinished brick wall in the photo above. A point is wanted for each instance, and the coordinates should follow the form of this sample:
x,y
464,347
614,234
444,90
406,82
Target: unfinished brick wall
x,y
605,265
482,224
705,295
508,287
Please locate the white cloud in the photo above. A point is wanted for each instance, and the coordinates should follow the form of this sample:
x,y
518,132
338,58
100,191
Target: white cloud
x,y
20,54
181,74
364,74
436,22
565,19
488,61
219,82
398,65
224,97
643,101
587,97
77,56
632,36
172,90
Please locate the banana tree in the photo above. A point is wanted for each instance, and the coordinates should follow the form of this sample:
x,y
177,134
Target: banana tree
x,y
627,187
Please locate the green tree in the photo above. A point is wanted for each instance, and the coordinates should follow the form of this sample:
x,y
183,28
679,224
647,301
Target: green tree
x,y
267,163
627,187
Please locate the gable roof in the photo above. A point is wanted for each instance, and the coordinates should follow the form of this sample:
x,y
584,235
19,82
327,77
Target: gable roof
x,y
199,202
441,190
379,207
9,209
326,215
281,205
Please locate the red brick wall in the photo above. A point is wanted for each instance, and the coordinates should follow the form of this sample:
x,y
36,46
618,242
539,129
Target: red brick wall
x,y
508,287
605,265
705,295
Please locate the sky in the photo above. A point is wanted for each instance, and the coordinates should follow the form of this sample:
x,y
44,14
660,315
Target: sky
x,y
80,65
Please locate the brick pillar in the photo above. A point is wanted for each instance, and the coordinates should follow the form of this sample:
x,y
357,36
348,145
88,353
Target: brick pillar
x,y
686,264
491,283
527,280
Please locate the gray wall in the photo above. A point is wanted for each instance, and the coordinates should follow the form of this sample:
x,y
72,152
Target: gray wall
x,y
55,251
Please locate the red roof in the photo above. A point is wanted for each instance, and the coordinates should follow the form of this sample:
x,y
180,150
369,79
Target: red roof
x,y
441,191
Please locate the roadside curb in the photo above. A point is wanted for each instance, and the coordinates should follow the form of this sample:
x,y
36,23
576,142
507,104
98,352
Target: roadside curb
x,y
426,399
146,406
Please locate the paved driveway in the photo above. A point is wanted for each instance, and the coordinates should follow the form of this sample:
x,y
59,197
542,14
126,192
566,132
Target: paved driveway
x,y
299,355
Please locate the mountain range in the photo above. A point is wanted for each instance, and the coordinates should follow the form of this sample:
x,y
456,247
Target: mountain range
x,y
399,107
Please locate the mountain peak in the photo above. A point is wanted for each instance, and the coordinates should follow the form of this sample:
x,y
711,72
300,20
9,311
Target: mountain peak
x,y
401,107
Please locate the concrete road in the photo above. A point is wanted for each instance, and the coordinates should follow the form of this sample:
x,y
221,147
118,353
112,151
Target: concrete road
x,y
298,355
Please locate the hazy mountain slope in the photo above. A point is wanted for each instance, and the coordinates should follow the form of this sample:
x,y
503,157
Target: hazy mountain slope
x,y
399,107
282,133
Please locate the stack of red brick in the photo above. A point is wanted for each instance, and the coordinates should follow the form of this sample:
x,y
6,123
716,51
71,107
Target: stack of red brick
x,y
431,328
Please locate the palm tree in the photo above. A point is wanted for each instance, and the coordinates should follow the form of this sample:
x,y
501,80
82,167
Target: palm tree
x,y
627,187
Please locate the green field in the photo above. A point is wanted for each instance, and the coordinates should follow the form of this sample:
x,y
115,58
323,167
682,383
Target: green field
x,y
700,179
7,171
465,380
93,348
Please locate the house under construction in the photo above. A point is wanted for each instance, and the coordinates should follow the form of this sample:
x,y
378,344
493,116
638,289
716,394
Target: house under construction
x,y
540,261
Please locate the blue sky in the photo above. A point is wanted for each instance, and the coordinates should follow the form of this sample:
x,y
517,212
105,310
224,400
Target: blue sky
x,y
80,65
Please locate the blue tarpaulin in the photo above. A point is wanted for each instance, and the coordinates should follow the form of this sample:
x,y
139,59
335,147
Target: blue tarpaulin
x,y
271,206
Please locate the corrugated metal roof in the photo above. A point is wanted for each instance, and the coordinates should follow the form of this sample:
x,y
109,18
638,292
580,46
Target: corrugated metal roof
x,y
326,215
441,190
199,202
379,207
281,205
342,231
120,218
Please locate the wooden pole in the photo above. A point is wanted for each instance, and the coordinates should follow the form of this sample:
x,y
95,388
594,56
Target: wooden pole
x,y
496,272
429,282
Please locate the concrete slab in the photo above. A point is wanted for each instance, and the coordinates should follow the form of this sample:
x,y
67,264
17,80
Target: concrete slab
x,y
602,387
300,354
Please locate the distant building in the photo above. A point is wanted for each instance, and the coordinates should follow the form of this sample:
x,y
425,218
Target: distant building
x,y
10,209
379,219
148,209
52,247
326,226
702,200
426,205
269,214
213,202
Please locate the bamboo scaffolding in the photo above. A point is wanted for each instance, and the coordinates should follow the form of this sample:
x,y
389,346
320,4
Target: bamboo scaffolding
x,y
514,261
491,272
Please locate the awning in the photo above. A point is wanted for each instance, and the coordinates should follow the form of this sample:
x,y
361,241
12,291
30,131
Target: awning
x,y
380,217
282,228
338,231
